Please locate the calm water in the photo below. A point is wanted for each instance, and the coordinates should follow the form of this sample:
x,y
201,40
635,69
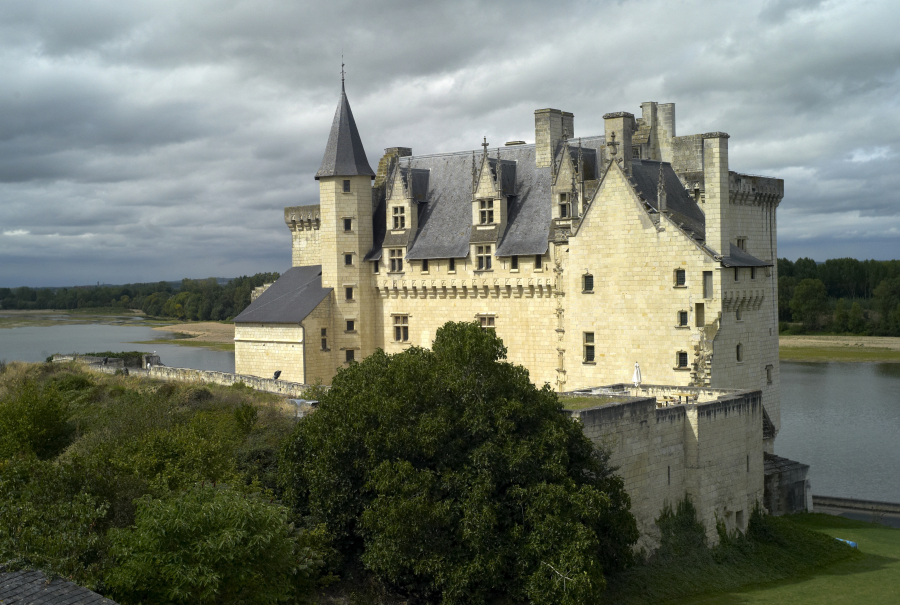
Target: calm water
x,y
37,343
843,419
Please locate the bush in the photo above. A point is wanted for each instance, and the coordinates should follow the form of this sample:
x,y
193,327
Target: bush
x,y
211,545
33,420
450,476
48,523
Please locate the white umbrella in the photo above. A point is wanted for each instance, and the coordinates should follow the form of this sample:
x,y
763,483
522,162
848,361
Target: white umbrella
x,y
636,379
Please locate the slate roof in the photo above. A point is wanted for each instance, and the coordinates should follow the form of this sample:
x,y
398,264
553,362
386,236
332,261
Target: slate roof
x,y
28,587
738,258
682,207
290,299
344,153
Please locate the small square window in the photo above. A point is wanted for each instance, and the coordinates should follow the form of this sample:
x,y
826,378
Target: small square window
x,y
588,341
682,318
375,266
351,325
346,185
538,262
451,265
350,355
401,328
739,314
324,344
348,293
680,277
514,263
324,332
564,205
739,352
487,321
742,243
737,274
769,369
348,260
707,284
425,265
348,224
752,272
682,359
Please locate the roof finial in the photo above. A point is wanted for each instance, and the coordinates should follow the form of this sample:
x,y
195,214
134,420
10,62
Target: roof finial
x,y
485,144
342,72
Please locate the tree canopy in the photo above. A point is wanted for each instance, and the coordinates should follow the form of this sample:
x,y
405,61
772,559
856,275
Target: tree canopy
x,y
450,476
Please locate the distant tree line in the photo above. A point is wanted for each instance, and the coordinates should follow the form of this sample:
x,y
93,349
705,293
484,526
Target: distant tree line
x,y
195,299
841,295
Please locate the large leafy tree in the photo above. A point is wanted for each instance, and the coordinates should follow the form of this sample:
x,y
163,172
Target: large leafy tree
x,y
449,475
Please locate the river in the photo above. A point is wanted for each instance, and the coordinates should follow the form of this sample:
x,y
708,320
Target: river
x,y
36,343
843,419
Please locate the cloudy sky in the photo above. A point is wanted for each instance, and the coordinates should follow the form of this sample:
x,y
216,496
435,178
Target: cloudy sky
x,y
142,141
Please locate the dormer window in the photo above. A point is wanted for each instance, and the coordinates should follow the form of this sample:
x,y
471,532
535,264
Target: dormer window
x,y
396,256
486,212
399,217
564,208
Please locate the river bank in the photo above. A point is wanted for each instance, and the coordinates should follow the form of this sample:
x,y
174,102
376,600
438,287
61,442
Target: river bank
x,y
883,349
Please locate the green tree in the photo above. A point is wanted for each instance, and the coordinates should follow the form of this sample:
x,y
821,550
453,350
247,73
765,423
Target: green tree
x,y
211,545
449,475
810,301
841,316
856,320
887,297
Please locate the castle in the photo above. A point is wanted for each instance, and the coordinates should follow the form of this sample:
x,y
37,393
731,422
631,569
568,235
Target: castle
x,y
585,254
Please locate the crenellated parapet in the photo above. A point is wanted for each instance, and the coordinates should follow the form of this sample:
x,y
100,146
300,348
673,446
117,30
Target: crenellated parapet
x,y
754,190
304,223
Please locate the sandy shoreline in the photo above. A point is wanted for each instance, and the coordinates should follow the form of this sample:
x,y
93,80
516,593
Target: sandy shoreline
x,y
203,331
866,342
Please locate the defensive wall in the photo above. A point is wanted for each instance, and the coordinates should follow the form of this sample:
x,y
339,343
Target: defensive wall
x,y
669,441
292,390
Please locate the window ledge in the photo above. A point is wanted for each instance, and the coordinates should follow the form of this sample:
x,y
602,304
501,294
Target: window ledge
x,y
479,271
682,327
681,287
589,363
395,273
684,369
587,291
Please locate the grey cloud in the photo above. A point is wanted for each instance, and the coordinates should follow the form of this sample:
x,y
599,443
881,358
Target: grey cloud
x,y
175,131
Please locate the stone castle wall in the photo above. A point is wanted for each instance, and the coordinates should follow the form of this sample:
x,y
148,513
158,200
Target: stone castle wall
x,y
711,451
263,349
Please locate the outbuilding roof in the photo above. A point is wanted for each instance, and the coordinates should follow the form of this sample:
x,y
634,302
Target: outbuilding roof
x,y
31,587
290,299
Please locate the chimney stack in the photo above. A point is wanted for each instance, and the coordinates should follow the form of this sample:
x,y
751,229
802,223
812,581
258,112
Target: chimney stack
x,y
549,126
621,124
716,204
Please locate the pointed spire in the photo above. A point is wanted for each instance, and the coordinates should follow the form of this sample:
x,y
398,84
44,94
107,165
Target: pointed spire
x,y
344,154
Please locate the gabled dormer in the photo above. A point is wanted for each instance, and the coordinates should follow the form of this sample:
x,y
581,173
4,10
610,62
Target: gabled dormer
x,y
406,192
493,184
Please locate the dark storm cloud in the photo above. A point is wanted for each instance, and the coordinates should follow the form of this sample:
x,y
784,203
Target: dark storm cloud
x,y
155,140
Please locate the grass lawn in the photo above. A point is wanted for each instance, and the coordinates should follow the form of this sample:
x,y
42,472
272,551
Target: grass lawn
x,y
871,579
190,342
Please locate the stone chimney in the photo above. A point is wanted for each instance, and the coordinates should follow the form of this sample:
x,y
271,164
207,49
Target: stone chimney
x,y
619,127
665,128
716,205
549,126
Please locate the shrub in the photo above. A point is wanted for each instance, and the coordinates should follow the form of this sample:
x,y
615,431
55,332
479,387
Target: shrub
x,y
33,419
449,475
211,545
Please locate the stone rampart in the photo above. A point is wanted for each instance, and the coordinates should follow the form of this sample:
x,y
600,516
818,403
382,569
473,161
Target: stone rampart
x,y
711,450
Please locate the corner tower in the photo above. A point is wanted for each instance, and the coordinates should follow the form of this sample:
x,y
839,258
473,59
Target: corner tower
x,y
345,201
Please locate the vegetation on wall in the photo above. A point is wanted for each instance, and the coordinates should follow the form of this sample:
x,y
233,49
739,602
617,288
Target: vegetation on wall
x,y
194,299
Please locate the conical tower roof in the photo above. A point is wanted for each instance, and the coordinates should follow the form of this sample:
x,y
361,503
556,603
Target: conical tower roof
x,y
344,154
